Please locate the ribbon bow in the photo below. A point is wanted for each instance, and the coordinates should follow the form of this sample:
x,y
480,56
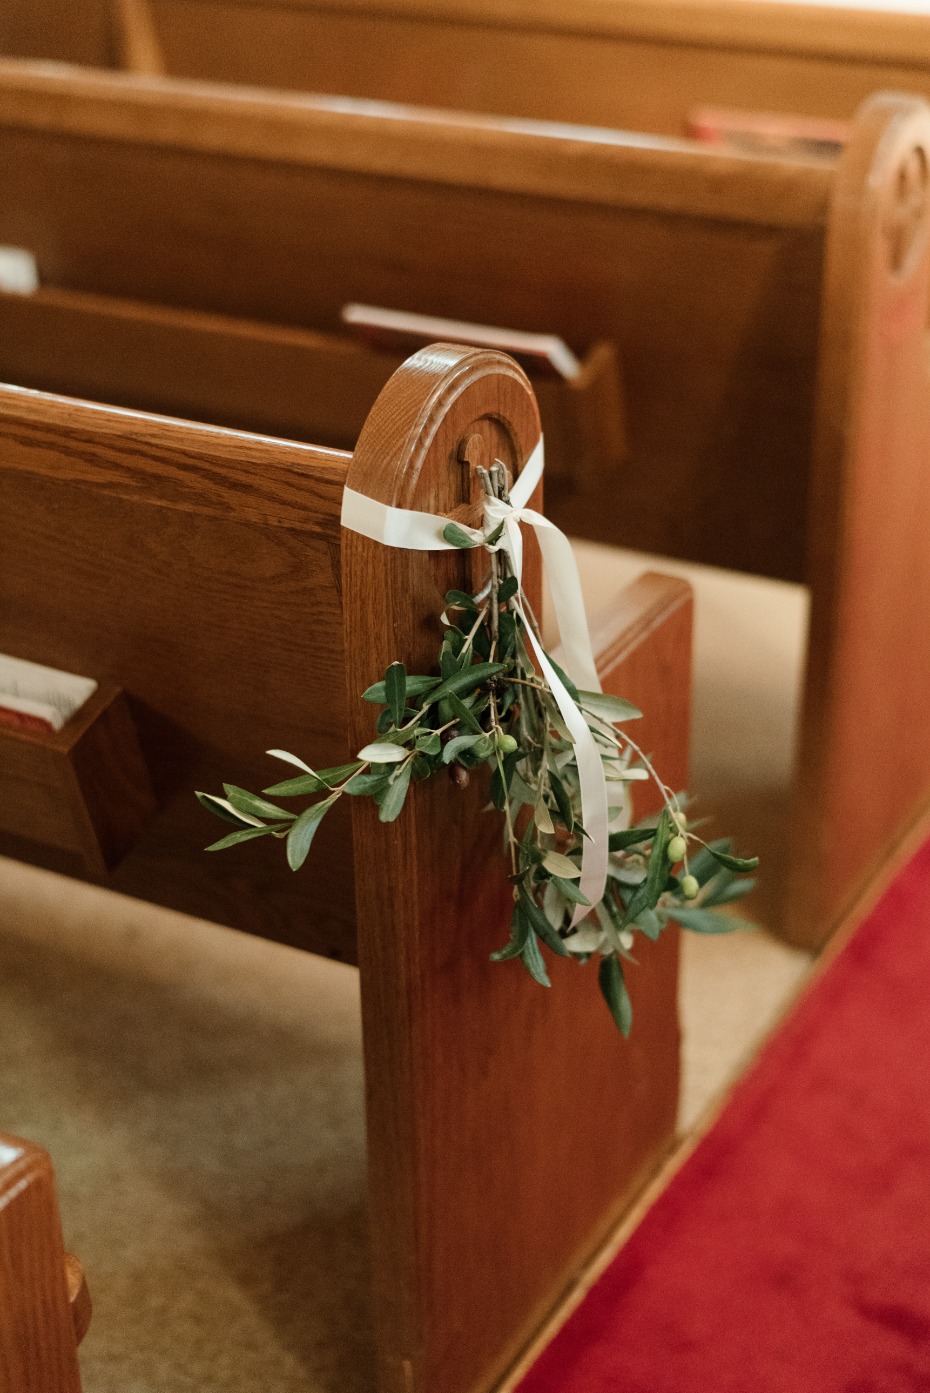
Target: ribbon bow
x,y
417,531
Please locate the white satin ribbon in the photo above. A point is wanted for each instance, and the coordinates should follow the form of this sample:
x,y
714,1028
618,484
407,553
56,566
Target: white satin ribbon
x,y
416,531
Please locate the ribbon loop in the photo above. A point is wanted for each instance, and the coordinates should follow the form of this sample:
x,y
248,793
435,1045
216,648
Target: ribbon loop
x,y
418,531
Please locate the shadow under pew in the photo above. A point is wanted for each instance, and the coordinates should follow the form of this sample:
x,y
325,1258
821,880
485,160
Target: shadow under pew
x,y
205,573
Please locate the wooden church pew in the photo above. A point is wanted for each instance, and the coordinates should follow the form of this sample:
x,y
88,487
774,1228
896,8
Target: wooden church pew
x,y
44,1303
642,65
752,421
204,572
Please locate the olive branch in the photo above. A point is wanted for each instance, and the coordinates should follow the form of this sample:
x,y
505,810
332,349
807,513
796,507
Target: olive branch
x,y
490,706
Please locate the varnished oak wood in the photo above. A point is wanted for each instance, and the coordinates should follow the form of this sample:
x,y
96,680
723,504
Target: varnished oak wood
x,y
430,212
217,614
864,758
641,64
198,569
70,33
38,1333
140,48
727,366
79,1297
476,1113
404,141
731,431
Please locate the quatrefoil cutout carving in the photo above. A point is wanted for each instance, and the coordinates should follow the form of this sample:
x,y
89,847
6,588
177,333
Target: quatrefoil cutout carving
x,y
907,209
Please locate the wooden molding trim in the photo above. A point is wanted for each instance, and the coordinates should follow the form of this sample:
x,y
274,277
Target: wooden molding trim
x,y
837,31
190,467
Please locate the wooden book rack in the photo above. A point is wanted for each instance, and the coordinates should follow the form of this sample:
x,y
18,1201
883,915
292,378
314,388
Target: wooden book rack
x,y
751,360
206,573
44,1302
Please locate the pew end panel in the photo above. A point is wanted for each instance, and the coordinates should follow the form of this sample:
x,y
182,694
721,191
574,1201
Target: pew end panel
x,y
44,1302
864,759
497,1161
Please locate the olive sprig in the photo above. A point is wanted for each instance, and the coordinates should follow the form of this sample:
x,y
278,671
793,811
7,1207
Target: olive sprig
x,y
488,707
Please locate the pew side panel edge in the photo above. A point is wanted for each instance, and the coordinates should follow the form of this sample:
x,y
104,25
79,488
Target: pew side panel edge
x,y
467,1066
864,757
40,1329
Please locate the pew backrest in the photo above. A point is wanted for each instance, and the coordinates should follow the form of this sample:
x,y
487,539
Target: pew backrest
x,y
195,570
641,65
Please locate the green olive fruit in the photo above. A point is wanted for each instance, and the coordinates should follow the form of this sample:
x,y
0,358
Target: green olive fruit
x,y
677,848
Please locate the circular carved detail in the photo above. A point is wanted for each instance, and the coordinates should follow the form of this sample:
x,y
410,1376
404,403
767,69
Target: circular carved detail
x,y
908,208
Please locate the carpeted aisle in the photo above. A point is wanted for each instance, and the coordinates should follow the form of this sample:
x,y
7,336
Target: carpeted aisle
x,y
791,1253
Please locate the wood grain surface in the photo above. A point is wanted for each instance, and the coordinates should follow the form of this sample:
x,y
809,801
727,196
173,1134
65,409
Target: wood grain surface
x,y
642,66
38,1339
477,1114
197,569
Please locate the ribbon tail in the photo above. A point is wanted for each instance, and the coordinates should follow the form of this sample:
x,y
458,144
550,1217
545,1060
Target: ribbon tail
x,y
591,782
567,600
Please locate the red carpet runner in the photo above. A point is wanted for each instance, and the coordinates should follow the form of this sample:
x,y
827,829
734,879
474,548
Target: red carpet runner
x,y
791,1254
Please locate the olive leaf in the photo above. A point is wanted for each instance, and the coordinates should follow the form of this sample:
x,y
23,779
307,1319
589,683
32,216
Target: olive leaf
x,y
248,803
614,992
457,537
609,708
304,829
247,834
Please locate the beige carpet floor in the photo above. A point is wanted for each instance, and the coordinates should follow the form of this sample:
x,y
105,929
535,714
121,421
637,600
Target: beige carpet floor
x,y
201,1093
